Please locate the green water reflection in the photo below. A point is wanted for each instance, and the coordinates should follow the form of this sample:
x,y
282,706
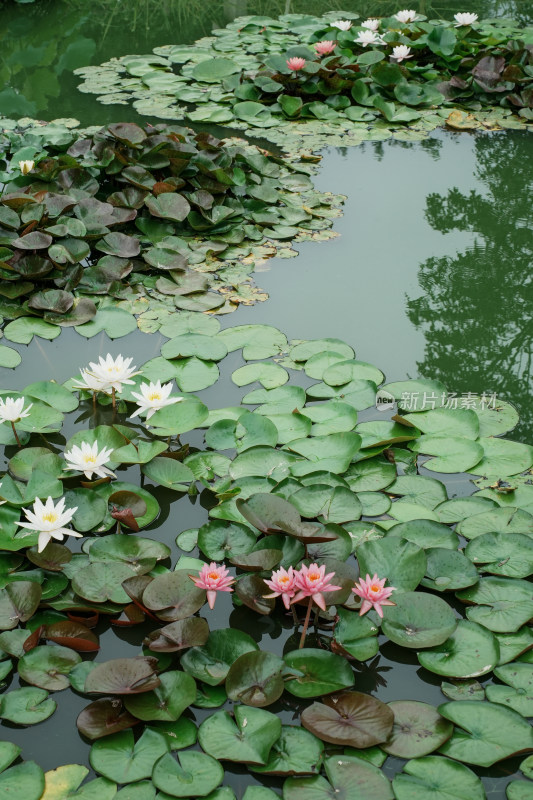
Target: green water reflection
x,y
475,311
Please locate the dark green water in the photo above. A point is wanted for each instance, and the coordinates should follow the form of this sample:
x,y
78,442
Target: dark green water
x,y
429,276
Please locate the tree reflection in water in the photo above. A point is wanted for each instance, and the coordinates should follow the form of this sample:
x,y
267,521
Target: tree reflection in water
x,y
476,310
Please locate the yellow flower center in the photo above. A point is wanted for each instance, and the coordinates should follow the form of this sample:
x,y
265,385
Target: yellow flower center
x,y
50,517
89,459
375,588
284,579
313,576
214,576
154,396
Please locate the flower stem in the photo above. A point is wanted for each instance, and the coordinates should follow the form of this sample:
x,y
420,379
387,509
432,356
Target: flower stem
x,y
294,615
16,434
306,623
94,401
113,395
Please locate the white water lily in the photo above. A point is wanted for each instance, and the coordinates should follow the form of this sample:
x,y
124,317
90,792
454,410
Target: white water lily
x,y
90,383
465,18
364,38
153,397
113,372
370,24
89,460
26,166
401,52
342,24
12,409
407,15
49,520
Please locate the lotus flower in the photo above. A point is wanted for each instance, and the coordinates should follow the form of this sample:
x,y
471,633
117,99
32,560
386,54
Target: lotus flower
x,y
341,24
213,579
465,18
282,585
89,460
49,520
113,372
373,594
311,582
401,52
11,409
296,64
325,48
407,15
153,397
90,383
370,24
364,38
26,166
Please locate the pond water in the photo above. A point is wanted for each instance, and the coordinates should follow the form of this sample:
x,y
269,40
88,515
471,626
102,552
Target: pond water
x,y
428,277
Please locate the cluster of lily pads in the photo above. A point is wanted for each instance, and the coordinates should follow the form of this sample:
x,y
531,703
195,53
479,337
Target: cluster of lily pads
x,y
300,80
160,215
305,476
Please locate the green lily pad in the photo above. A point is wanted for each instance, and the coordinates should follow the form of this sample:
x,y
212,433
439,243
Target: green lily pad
x,y
211,662
351,719
120,759
26,780
438,778
418,620
295,752
348,776
26,706
401,562
48,667
485,732
192,774
470,651
317,672
255,679
417,731
502,605
247,737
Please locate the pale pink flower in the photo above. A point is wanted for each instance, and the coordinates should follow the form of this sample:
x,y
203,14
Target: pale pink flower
x,y
325,48
373,594
296,64
213,579
282,585
311,582
401,52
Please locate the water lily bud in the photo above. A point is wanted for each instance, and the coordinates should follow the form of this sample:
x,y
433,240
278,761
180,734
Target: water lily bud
x,y
26,166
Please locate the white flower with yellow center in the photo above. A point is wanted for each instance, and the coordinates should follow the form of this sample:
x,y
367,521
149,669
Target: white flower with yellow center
x,y
113,372
341,24
26,166
49,520
401,52
153,397
89,460
364,38
371,24
12,409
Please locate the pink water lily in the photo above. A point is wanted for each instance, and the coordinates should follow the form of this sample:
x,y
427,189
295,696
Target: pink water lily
x,y
312,582
325,48
373,593
296,64
213,578
282,585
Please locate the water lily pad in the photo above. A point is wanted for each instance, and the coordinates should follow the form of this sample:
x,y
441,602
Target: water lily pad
x,y
211,662
120,759
503,554
351,719
485,732
25,779
355,635
123,676
317,672
173,596
26,706
48,667
193,774
502,605
18,602
255,679
348,776
452,454
470,651
179,635
418,620
438,778
103,718
296,752
448,570
247,737
403,563
417,731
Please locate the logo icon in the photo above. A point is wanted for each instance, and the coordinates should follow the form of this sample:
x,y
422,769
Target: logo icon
x,y
384,400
